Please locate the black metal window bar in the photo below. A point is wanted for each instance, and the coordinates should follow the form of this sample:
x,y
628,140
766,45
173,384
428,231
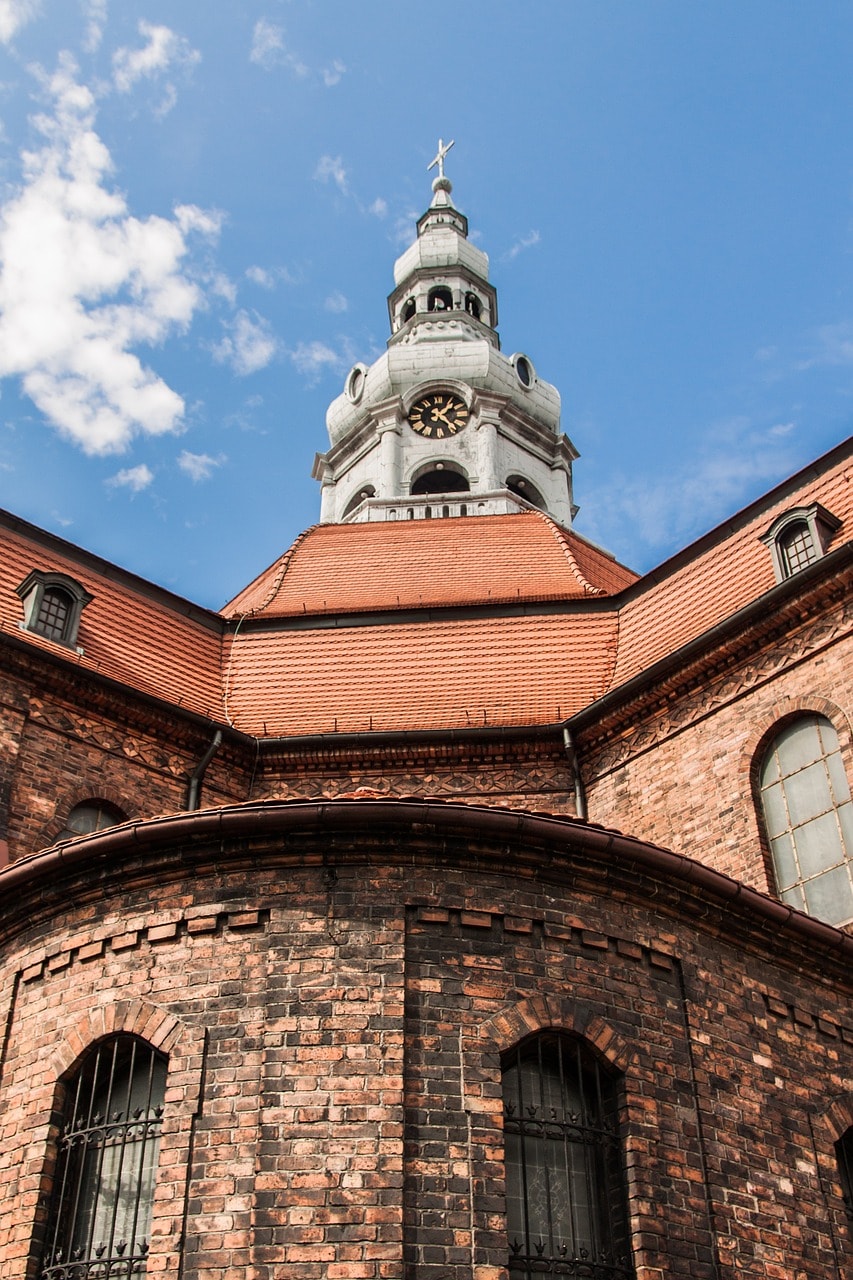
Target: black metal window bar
x,y
566,1204
107,1161
844,1154
54,613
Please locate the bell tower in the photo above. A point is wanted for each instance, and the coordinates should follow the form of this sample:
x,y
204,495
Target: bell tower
x,y
444,424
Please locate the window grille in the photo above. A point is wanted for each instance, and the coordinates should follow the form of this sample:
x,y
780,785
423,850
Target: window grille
x,y
844,1153
797,548
566,1211
107,1161
53,614
808,815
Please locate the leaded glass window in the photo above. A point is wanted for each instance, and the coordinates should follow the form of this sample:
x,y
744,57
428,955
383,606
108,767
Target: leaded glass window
x,y
566,1211
808,814
797,548
107,1161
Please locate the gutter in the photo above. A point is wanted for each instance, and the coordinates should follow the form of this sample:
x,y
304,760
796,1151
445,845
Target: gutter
x,y
197,775
507,827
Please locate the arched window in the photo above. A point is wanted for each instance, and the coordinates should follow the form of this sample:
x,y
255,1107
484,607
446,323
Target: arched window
x,y
440,299
524,489
808,815
408,310
796,548
92,815
564,1183
798,537
109,1142
844,1155
472,305
440,480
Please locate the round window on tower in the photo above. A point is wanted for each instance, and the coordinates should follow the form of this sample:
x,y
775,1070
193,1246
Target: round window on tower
x,y
524,371
354,386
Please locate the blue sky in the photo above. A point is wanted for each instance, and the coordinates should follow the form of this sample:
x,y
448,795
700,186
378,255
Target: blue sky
x,y
201,202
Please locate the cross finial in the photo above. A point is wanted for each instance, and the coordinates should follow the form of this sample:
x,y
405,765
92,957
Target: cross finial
x,y
439,159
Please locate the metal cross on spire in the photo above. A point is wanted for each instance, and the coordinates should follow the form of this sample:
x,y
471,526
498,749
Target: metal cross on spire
x,y
439,159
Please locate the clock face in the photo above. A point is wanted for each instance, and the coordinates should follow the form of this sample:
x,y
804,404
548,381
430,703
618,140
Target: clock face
x,y
438,415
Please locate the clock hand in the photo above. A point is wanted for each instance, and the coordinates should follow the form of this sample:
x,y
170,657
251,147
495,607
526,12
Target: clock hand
x,y
441,414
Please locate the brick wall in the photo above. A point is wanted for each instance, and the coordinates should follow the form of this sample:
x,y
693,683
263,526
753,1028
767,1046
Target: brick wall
x,y
334,999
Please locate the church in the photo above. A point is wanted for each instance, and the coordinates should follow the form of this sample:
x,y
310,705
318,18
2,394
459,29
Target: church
x,y
455,903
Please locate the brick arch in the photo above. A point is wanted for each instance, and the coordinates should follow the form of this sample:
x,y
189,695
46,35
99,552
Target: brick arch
x,y
550,1013
91,793
788,709
132,1017
837,1117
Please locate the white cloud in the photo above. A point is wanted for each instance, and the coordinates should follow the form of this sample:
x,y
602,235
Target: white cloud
x,y
95,13
639,515
83,282
312,358
199,466
248,346
330,168
133,478
336,302
14,14
269,49
260,276
404,228
164,50
522,243
206,222
379,208
332,74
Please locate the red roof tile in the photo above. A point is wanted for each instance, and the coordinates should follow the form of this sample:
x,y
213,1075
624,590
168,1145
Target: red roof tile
x,y
418,675
694,592
387,565
129,632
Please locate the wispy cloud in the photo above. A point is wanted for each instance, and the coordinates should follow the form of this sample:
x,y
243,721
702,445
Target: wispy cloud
x,y
248,344
163,51
269,49
133,478
14,14
95,13
83,282
523,242
336,302
199,466
332,75
314,358
331,169
379,208
832,345
269,277
640,519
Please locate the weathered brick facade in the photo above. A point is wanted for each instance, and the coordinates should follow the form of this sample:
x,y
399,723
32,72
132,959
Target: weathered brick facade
x,y
334,986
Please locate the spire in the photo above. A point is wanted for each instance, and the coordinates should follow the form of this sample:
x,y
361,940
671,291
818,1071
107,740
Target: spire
x,y
442,211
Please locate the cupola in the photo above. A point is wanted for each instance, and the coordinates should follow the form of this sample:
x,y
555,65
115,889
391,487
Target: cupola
x,y
444,424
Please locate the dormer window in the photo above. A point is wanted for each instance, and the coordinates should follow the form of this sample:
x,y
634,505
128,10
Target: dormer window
x,y
799,537
53,604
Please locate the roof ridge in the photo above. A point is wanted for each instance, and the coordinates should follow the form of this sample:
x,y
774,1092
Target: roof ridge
x,y
284,564
559,534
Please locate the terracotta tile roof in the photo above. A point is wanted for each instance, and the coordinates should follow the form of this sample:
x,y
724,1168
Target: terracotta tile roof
x,y
356,568
418,675
130,632
726,571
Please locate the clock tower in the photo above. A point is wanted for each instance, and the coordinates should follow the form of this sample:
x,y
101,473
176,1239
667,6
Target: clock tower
x,y
444,424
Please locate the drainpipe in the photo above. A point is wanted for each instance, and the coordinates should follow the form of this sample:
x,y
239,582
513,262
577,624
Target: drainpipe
x,y
197,775
580,794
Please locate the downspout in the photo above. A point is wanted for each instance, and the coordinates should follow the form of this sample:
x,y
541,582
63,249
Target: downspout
x,y
197,775
580,794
